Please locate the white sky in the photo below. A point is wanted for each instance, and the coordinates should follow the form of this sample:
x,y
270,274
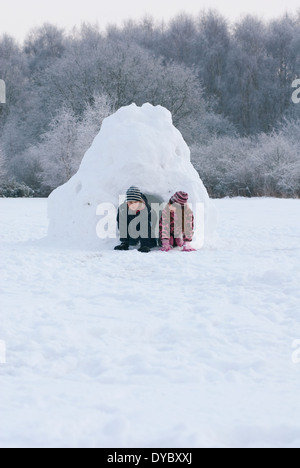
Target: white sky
x,y
17,17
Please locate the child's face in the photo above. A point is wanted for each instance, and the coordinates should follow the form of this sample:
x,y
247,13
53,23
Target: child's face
x,y
134,205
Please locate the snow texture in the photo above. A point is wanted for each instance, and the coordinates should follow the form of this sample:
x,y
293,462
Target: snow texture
x,y
119,349
136,146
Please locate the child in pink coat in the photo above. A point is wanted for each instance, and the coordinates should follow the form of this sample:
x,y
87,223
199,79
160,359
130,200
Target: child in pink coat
x,y
176,227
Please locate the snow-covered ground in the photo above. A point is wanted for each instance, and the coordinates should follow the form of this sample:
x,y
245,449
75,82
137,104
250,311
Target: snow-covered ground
x,y
122,349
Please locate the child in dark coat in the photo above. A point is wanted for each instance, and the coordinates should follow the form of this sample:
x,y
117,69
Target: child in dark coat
x,y
135,222
176,225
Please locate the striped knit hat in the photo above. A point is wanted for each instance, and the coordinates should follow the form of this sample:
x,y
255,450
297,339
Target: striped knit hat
x,y
181,198
134,194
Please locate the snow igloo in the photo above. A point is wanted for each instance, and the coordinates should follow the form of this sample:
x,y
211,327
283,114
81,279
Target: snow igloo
x,y
136,146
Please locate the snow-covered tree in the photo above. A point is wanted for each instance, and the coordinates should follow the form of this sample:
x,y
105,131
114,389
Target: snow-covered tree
x,y
2,165
58,156
91,122
268,165
180,39
58,151
283,49
43,45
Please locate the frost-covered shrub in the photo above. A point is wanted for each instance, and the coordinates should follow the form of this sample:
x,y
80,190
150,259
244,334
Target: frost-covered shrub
x,y
14,189
266,165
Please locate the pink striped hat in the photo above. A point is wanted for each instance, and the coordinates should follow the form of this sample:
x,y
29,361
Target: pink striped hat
x,y
180,197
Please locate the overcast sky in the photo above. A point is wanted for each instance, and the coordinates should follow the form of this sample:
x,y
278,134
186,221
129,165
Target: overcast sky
x,y
17,17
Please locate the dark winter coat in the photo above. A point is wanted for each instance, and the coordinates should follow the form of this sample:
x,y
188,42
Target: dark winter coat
x,y
137,227
171,225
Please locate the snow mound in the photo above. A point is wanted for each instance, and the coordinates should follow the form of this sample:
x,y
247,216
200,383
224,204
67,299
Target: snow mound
x,y
136,146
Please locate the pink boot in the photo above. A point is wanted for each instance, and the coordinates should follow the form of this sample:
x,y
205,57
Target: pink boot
x,y
179,242
166,247
188,248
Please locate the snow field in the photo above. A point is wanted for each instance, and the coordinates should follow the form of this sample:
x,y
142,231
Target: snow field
x,y
120,349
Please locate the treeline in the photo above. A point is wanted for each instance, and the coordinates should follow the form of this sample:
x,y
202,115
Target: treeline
x,y
265,165
227,86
